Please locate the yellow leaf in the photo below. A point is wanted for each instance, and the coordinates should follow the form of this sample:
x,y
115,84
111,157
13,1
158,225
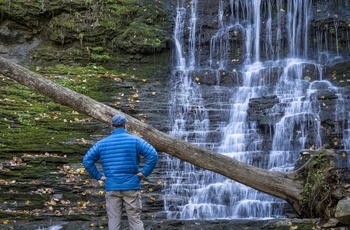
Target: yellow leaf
x,y
82,171
58,213
144,80
154,93
70,212
27,202
52,202
159,182
100,192
343,154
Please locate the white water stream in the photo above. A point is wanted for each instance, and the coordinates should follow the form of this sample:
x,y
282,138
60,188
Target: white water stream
x,y
193,193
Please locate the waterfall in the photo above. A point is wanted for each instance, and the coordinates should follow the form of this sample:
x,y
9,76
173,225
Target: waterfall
x,y
189,118
267,64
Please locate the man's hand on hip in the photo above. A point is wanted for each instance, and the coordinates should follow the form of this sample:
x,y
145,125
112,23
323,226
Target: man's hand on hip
x,y
140,175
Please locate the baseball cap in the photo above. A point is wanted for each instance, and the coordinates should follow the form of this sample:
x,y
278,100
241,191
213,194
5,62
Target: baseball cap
x,y
119,120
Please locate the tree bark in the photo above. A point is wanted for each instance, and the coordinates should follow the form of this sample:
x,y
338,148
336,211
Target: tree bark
x,y
288,186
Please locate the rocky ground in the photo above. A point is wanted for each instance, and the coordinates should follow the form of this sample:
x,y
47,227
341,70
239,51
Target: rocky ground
x,y
285,224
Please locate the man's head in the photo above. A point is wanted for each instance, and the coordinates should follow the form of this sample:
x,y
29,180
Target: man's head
x,y
119,121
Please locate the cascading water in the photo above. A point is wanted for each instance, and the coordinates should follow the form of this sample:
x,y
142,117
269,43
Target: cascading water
x,y
217,120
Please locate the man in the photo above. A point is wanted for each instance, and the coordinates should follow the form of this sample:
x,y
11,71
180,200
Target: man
x,y
119,155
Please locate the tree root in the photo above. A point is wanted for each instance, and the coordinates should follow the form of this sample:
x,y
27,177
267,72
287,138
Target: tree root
x,y
317,198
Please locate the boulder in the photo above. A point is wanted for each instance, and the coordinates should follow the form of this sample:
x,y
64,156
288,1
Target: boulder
x,y
342,212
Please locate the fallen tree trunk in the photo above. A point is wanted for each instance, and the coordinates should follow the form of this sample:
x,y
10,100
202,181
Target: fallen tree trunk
x,y
288,186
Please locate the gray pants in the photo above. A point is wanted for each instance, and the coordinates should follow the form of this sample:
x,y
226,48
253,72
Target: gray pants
x,y
131,200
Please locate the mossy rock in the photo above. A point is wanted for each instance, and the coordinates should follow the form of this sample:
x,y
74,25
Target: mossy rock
x,y
95,31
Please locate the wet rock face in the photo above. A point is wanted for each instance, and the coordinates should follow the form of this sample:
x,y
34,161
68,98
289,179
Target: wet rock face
x,y
267,111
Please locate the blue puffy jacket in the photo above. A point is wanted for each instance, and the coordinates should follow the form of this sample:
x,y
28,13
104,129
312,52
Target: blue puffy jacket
x,y
119,154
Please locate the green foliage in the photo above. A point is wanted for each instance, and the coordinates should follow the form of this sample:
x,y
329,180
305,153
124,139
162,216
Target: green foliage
x,y
3,4
316,193
307,78
139,36
100,57
319,158
97,49
25,118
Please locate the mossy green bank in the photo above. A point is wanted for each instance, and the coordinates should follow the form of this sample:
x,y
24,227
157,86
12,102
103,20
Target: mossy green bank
x,y
86,31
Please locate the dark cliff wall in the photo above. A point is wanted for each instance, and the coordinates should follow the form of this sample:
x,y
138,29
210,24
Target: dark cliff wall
x,y
118,32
